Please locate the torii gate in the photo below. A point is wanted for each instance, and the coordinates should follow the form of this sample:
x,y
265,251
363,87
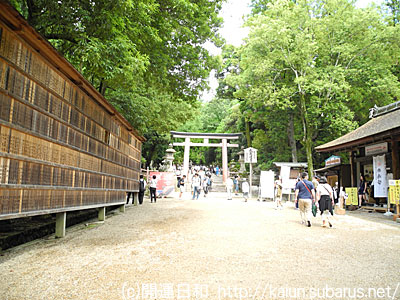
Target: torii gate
x,y
206,136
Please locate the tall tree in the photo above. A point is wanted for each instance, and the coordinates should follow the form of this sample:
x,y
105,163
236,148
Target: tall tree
x,y
314,58
146,56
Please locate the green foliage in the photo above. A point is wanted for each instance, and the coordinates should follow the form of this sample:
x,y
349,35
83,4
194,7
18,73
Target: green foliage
x,y
324,62
147,57
393,7
151,50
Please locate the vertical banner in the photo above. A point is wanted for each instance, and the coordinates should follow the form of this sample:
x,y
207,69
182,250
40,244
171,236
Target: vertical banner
x,y
352,198
380,179
397,193
394,191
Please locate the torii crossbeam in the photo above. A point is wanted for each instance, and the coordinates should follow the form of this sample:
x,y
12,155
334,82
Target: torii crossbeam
x,y
224,137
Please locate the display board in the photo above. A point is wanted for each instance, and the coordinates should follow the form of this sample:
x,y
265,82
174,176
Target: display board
x,y
394,191
267,184
166,182
352,198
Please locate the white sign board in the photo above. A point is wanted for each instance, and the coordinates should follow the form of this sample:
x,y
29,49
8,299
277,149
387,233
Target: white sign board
x,y
267,184
286,184
376,149
380,178
250,155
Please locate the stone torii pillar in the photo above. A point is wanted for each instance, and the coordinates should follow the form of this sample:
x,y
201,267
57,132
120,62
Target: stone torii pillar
x,y
224,160
186,157
224,137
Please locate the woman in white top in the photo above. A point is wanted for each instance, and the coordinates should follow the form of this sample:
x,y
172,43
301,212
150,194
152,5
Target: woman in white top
x,y
325,201
153,189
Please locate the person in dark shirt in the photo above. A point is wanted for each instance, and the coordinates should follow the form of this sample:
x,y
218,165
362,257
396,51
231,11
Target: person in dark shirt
x,y
362,189
305,193
142,188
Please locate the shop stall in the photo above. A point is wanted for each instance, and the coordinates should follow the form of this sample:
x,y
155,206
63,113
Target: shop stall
x,y
373,149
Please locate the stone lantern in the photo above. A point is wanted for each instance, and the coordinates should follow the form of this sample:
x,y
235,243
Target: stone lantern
x,y
169,157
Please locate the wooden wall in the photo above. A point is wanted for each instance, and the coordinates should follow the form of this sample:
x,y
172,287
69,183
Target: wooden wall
x,y
59,148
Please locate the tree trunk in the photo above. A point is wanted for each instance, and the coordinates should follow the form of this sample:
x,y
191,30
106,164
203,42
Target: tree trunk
x,y
308,144
102,87
292,141
307,139
248,138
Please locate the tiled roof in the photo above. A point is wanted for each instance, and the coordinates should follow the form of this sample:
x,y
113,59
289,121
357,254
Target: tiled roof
x,y
381,126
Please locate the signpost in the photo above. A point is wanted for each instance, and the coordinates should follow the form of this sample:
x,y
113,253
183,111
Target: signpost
x,y
250,157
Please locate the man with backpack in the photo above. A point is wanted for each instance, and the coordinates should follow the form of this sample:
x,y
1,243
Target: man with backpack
x,y
181,186
305,192
142,188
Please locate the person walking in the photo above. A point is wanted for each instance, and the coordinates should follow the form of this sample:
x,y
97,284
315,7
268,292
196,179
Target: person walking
x,y
315,181
278,197
245,189
196,184
153,189
142,188
209,181
325,201
182,186
205,186
362,188
305,194
229,187
236,184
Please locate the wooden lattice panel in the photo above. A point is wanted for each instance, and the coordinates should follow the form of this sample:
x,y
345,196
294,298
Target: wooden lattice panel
x,y
59,149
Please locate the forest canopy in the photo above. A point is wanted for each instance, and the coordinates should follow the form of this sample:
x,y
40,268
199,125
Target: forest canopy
x,y
307,73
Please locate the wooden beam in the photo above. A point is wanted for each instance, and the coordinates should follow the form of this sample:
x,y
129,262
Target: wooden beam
x,y
52,211
206,145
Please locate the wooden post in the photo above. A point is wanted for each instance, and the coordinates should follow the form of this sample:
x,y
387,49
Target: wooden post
x,y
353,184
61,222
135,197
122,208
224,160
102,214
251,178
395,159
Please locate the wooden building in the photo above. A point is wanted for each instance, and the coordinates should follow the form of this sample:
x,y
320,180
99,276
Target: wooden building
x,y
62,145
380,136
335,171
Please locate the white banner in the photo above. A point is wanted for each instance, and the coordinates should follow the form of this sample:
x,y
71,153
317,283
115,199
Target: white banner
x,y
380,177
267,184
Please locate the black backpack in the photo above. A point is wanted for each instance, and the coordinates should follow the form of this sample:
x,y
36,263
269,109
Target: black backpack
x,y
141,187
179,183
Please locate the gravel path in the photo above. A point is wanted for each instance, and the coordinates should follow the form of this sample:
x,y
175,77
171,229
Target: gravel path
x,y
208,249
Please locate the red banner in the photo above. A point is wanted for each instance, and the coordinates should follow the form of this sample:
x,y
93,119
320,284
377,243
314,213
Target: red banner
x,y
165,183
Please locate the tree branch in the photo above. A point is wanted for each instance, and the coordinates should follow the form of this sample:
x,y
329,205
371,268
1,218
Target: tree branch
x,y
57,36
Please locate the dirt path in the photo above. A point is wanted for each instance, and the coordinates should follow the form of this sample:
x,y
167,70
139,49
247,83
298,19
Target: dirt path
x,y
208,249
